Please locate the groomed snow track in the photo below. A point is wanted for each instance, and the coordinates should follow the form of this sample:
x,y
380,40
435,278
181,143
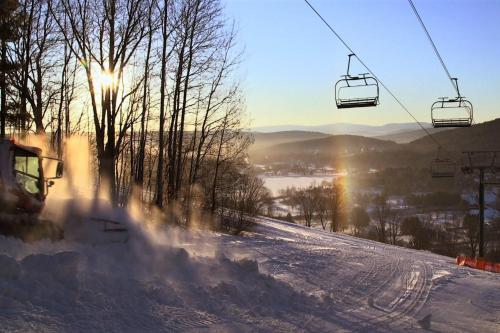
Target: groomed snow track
x,y
279,278
376,287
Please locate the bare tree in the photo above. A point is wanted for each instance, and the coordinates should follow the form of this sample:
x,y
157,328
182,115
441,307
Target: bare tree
x,y
322,206
138,167
382,212
359,219
393,230
104,38
9,21
132,65
161,129
337,207
243,197
470,224
305,200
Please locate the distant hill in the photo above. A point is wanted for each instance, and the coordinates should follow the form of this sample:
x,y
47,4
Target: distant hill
x,y
409,136
359,151
483,136
338,144
264,140
322,150
346,128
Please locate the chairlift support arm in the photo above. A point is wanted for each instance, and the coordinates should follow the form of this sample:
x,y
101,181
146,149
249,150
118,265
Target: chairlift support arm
x,y
455,80
349,63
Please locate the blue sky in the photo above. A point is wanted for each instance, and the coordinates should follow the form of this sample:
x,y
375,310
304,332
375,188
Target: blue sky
x,y
292,60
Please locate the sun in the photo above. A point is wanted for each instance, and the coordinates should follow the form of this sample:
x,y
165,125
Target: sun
x,y
105,79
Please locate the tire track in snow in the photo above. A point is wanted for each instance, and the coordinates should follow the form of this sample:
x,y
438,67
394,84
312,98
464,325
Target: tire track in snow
x,y
410,299
390,270
182,319
406,307
350,298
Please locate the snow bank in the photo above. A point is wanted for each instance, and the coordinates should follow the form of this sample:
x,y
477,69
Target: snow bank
x,y
141,285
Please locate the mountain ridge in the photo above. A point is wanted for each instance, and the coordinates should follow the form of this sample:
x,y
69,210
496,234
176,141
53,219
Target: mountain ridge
x,y
483,136
345,128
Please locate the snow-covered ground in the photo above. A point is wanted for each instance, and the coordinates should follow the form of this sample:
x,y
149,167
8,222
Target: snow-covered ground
x,y
490,198
280,278
277,183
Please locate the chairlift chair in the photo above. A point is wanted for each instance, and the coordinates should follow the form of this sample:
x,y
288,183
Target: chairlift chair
x,y
443,166
452,112
356,91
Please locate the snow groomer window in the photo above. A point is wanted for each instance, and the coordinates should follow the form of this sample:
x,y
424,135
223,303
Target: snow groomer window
x,y
27,166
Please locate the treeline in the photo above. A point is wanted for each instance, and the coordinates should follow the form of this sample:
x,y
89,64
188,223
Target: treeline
x,y
325,203
397,157
459,236
404,180
329,205
152,83
374,216
439,199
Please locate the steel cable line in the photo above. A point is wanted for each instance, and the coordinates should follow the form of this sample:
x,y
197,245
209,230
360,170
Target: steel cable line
x,y
455,87
371,72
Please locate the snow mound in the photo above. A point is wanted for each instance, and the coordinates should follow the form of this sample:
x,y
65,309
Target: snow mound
x,y
9,268
139,286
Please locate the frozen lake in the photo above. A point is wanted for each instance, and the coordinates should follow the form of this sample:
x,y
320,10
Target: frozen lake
x,y
277,183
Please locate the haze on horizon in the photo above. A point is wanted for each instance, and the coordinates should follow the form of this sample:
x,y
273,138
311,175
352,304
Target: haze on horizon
x,y
292,61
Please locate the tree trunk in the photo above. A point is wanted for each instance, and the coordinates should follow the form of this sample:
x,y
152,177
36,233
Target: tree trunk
x,y
161,130
217,166
139,169
180,167
3,90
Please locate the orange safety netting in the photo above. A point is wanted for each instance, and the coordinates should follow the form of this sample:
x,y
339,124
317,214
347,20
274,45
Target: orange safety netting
x,y
478,264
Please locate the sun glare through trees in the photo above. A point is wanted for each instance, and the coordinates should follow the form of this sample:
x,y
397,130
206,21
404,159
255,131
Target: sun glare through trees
x,y
249,166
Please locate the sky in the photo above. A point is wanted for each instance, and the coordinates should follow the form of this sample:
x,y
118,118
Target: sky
x,y
292,61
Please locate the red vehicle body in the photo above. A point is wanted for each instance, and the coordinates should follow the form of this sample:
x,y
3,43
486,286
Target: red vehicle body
x,y
23,186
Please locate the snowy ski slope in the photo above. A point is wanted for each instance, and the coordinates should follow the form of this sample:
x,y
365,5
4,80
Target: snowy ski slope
x,y
280,278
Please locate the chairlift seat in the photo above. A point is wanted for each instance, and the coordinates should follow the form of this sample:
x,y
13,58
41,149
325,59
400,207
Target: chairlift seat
x,y
356,102
440,123
443,175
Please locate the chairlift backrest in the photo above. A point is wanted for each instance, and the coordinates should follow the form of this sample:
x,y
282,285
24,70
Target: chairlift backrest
x,y
356,91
